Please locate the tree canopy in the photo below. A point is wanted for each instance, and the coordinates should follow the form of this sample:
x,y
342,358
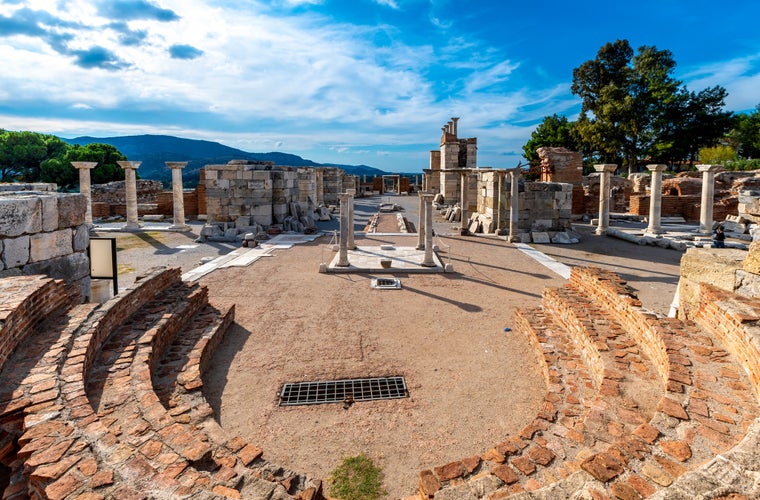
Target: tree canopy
x,y
34,157
633,110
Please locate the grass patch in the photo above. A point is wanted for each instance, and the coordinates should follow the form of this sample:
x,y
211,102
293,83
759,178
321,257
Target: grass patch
x,y
124,269
357,478
139,240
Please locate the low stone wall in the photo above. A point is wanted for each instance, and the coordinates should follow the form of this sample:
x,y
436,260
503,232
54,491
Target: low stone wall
x,y
115,192
44,233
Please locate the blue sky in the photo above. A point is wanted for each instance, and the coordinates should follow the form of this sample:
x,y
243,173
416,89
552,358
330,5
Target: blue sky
x,y
344,81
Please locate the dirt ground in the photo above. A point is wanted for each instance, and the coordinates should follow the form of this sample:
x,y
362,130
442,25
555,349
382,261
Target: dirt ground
x,y
471,382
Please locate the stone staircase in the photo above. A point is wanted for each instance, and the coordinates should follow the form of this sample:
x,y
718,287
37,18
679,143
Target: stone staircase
x,y
106,402
637,405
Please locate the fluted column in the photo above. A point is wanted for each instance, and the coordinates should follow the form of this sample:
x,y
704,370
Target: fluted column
x,y
655,200
130,181
514,203
344,222
178,198
708,195
606,170
427,200
351,193
84,168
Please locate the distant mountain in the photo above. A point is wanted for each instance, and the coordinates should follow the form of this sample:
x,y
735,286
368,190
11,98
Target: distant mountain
x,y
154,150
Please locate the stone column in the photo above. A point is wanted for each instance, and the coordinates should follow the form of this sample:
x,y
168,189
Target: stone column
x,y
655,200
421,224
499,187
606,170
463,229
344,222
708,195
179,199
351,193
84,168
130,180
514,203
427,200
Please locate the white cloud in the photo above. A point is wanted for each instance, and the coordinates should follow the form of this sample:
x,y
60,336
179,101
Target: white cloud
x,y
740,77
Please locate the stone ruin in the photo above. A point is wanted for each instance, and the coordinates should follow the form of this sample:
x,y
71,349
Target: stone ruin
x,y
106,400
247,197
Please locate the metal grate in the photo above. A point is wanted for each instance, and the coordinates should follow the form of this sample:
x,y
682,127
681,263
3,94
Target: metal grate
x,y
343,391
386,284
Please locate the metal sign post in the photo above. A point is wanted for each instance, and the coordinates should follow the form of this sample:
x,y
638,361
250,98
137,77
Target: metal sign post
x,y
102,254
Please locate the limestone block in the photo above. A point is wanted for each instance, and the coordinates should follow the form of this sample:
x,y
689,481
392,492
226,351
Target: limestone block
x,y
49,213
71,210
716,266
20,215
752,262
243,221
2,264
44,246
540,237
748,284
564,238
16,251
81,238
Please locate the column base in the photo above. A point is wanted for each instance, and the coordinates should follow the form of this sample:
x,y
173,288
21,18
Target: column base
x,y
600,232
180,228
514,239
654,234
132,225
464,231
420,247
428,264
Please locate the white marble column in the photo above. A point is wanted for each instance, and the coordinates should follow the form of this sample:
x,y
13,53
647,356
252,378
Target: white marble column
x,y
499,188
421,223
178,199
344,230
464,220
351,193
708,195
428,260
130,181
606,169
514,203
84,168
655,200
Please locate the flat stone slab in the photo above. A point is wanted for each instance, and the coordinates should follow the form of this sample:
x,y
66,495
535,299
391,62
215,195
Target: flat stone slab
x,y
367,260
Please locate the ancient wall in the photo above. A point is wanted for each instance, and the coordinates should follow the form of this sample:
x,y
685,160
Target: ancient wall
x,y
687,206
44,233
115,193
307,187
284,192
332,185
239,188
560,165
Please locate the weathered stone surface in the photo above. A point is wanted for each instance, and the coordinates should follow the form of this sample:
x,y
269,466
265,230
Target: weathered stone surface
x,y
81,238
16,251
70,268
71,210
49,213
44,246
20,214
751,263
540,237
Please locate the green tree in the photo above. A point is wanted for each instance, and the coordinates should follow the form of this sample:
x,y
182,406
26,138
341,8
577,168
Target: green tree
x,y
60,170
553,131
746,134
20,156
717,155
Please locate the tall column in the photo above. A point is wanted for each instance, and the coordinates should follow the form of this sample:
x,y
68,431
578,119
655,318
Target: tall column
x,y
351,193
130,179
344,222
514,203
84,168
421,224
708,195
606,170
655,200
428,261
179,199
463,184
499,187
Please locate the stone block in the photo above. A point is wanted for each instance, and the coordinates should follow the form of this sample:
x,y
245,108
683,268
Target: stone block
x,y
71,210
751,263
16,251
540,237
81,238
44,246
20,215
49,213
2,264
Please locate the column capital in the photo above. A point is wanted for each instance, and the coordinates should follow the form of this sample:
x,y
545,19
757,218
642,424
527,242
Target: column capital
x,y
427,196
657,167
129,164
176,164
344,197
709,168
351,192
605,167
84,164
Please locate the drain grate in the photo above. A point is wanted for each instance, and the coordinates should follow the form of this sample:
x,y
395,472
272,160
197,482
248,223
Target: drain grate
x,y
343,391
386,284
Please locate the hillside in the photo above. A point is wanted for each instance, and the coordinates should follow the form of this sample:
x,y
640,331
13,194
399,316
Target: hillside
x,y
154,150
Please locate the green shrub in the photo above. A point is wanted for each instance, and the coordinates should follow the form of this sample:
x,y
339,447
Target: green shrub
x,y
357,478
